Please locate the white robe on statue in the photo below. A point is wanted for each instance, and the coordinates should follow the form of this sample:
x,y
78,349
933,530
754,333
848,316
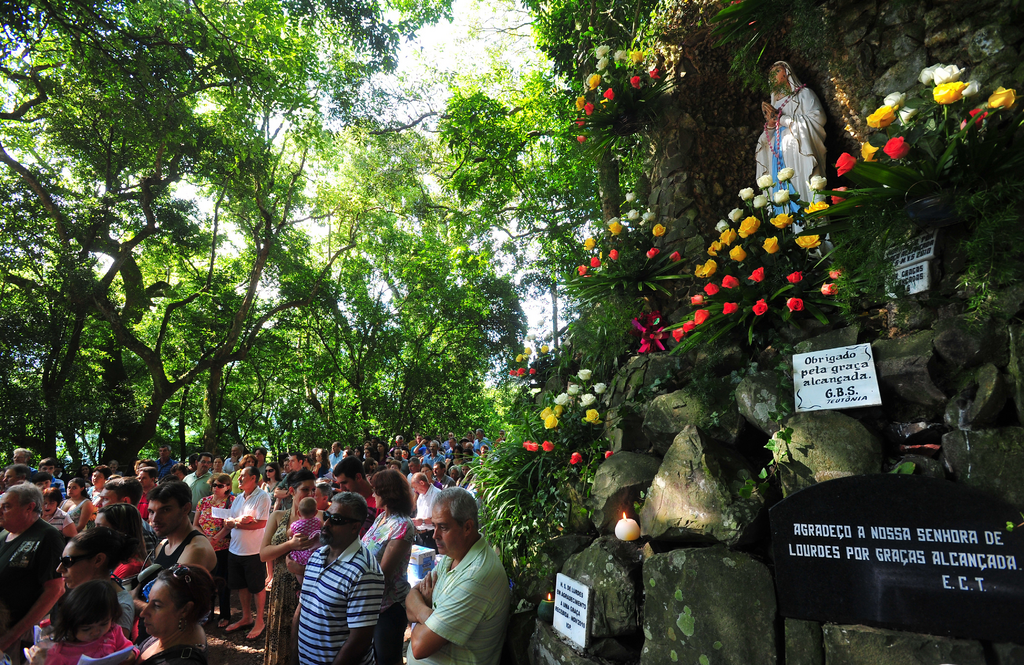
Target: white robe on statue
x,y
801,141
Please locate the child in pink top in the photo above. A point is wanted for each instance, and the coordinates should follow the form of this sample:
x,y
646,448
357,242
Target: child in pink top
x,y
85,625
308,526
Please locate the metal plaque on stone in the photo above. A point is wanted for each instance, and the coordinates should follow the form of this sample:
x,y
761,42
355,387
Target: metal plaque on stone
x,y
839,378
902,552
572,610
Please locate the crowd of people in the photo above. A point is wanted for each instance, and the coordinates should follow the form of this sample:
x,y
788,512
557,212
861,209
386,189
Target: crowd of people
x,y
140,561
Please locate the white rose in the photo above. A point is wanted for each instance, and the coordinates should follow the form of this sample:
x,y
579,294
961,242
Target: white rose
x,y
602,51
602,63
746,193
584,374
600,388
765,181
906,114
972,89
722,226
817,183
648,216
613,220
632,215
562,399
895,100
630,197
760,201
947,74
781,197
573,389
536,391
587,399
621,55
736,214
928,74
785,174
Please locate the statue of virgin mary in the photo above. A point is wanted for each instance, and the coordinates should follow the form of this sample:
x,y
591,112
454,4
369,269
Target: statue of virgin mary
x,y
794,133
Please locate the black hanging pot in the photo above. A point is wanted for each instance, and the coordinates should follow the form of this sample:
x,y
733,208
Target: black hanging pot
x,y
933,211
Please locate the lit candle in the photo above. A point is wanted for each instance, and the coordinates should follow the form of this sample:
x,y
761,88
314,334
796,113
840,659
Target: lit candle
x,y
627,529
546,609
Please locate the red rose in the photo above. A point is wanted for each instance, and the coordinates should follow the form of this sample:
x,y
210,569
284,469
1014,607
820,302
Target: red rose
x,y
795,277
531,446
609,94
588,108
838,199
533,371
697,299
613,255
595,262
711,288
521,371
678,334
582,270
760,307
700,316
845,163
580,123
974,114
730,282
635,81
654,74
675,256
688,326
581,139
730,307
829,289
896,147
526,444
512,372
795,304
576,458
757,275
834,274
652,252
548,446
607,454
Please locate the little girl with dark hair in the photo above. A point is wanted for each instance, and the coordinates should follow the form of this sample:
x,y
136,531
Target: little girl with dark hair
x,y
85,624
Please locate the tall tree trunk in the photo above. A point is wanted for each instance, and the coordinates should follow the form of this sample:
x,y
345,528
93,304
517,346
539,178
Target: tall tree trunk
x,y
554,313
211,407
182,410
608,181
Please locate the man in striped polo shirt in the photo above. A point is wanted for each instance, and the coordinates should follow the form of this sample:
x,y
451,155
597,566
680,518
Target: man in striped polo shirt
x,y
342,591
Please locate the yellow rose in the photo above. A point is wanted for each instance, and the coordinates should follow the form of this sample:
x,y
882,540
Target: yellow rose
x,y
715,247
615,228
594,81
1002,98
882,118
544,349
728,237
658,230
636,56
771,245
590,244
815,207
706,270
737,254
749,226
558,410
527,352
867,151
808,242
592,417
546,412
519,358
782,220
551,422
947,93
581,101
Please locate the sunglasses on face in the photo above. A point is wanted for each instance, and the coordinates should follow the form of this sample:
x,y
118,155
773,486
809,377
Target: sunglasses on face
x,y
68,561
340,520
219,485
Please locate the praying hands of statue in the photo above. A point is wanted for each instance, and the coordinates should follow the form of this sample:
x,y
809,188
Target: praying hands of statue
x,y
771,117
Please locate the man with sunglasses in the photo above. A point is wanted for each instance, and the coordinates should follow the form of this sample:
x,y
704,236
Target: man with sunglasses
x,y
342,591
30,550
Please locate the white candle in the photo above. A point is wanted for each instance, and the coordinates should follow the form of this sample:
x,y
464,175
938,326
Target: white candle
x,y
627,529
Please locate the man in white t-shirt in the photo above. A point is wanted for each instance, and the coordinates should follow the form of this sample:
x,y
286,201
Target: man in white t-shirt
x,y
426,494
246,572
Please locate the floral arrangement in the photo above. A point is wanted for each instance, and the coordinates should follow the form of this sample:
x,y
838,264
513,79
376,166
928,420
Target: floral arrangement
x,y
619,99
762,270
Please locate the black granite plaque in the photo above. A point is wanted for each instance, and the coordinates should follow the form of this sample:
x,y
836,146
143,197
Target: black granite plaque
x,y
901,552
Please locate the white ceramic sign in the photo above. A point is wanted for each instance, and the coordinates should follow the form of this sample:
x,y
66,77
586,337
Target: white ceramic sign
x,y
572,610
833,379
915,278
918,248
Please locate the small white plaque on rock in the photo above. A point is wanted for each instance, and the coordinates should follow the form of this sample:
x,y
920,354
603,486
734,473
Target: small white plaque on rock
x,y
839,378
918,248
572,610
915,278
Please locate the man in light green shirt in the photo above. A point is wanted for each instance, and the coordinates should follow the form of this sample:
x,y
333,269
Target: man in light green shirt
x,y
460,610
199,482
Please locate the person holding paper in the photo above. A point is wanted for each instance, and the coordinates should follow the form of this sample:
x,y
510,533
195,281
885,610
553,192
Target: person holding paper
x,y
249,513
86,625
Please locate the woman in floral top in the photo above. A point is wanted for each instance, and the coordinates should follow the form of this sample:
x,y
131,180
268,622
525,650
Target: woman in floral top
x,y
211,526
390,541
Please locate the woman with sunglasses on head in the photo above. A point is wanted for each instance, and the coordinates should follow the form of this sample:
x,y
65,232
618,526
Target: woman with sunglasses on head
x,y
93,555
178,602
287,580
213,528
125,519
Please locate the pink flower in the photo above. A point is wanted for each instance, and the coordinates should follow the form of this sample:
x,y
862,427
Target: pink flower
x,y
654,74
582,270
607,454
588,108
688,326
697,299
635,81
795,277
675,256
678,334
547,446
613,255
795,304
700,316
829,289
652,252
609,94
711,288
730,308
581,139
575,458
835,273
845,163
760,307
757,275
896,147
595,262
730,282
